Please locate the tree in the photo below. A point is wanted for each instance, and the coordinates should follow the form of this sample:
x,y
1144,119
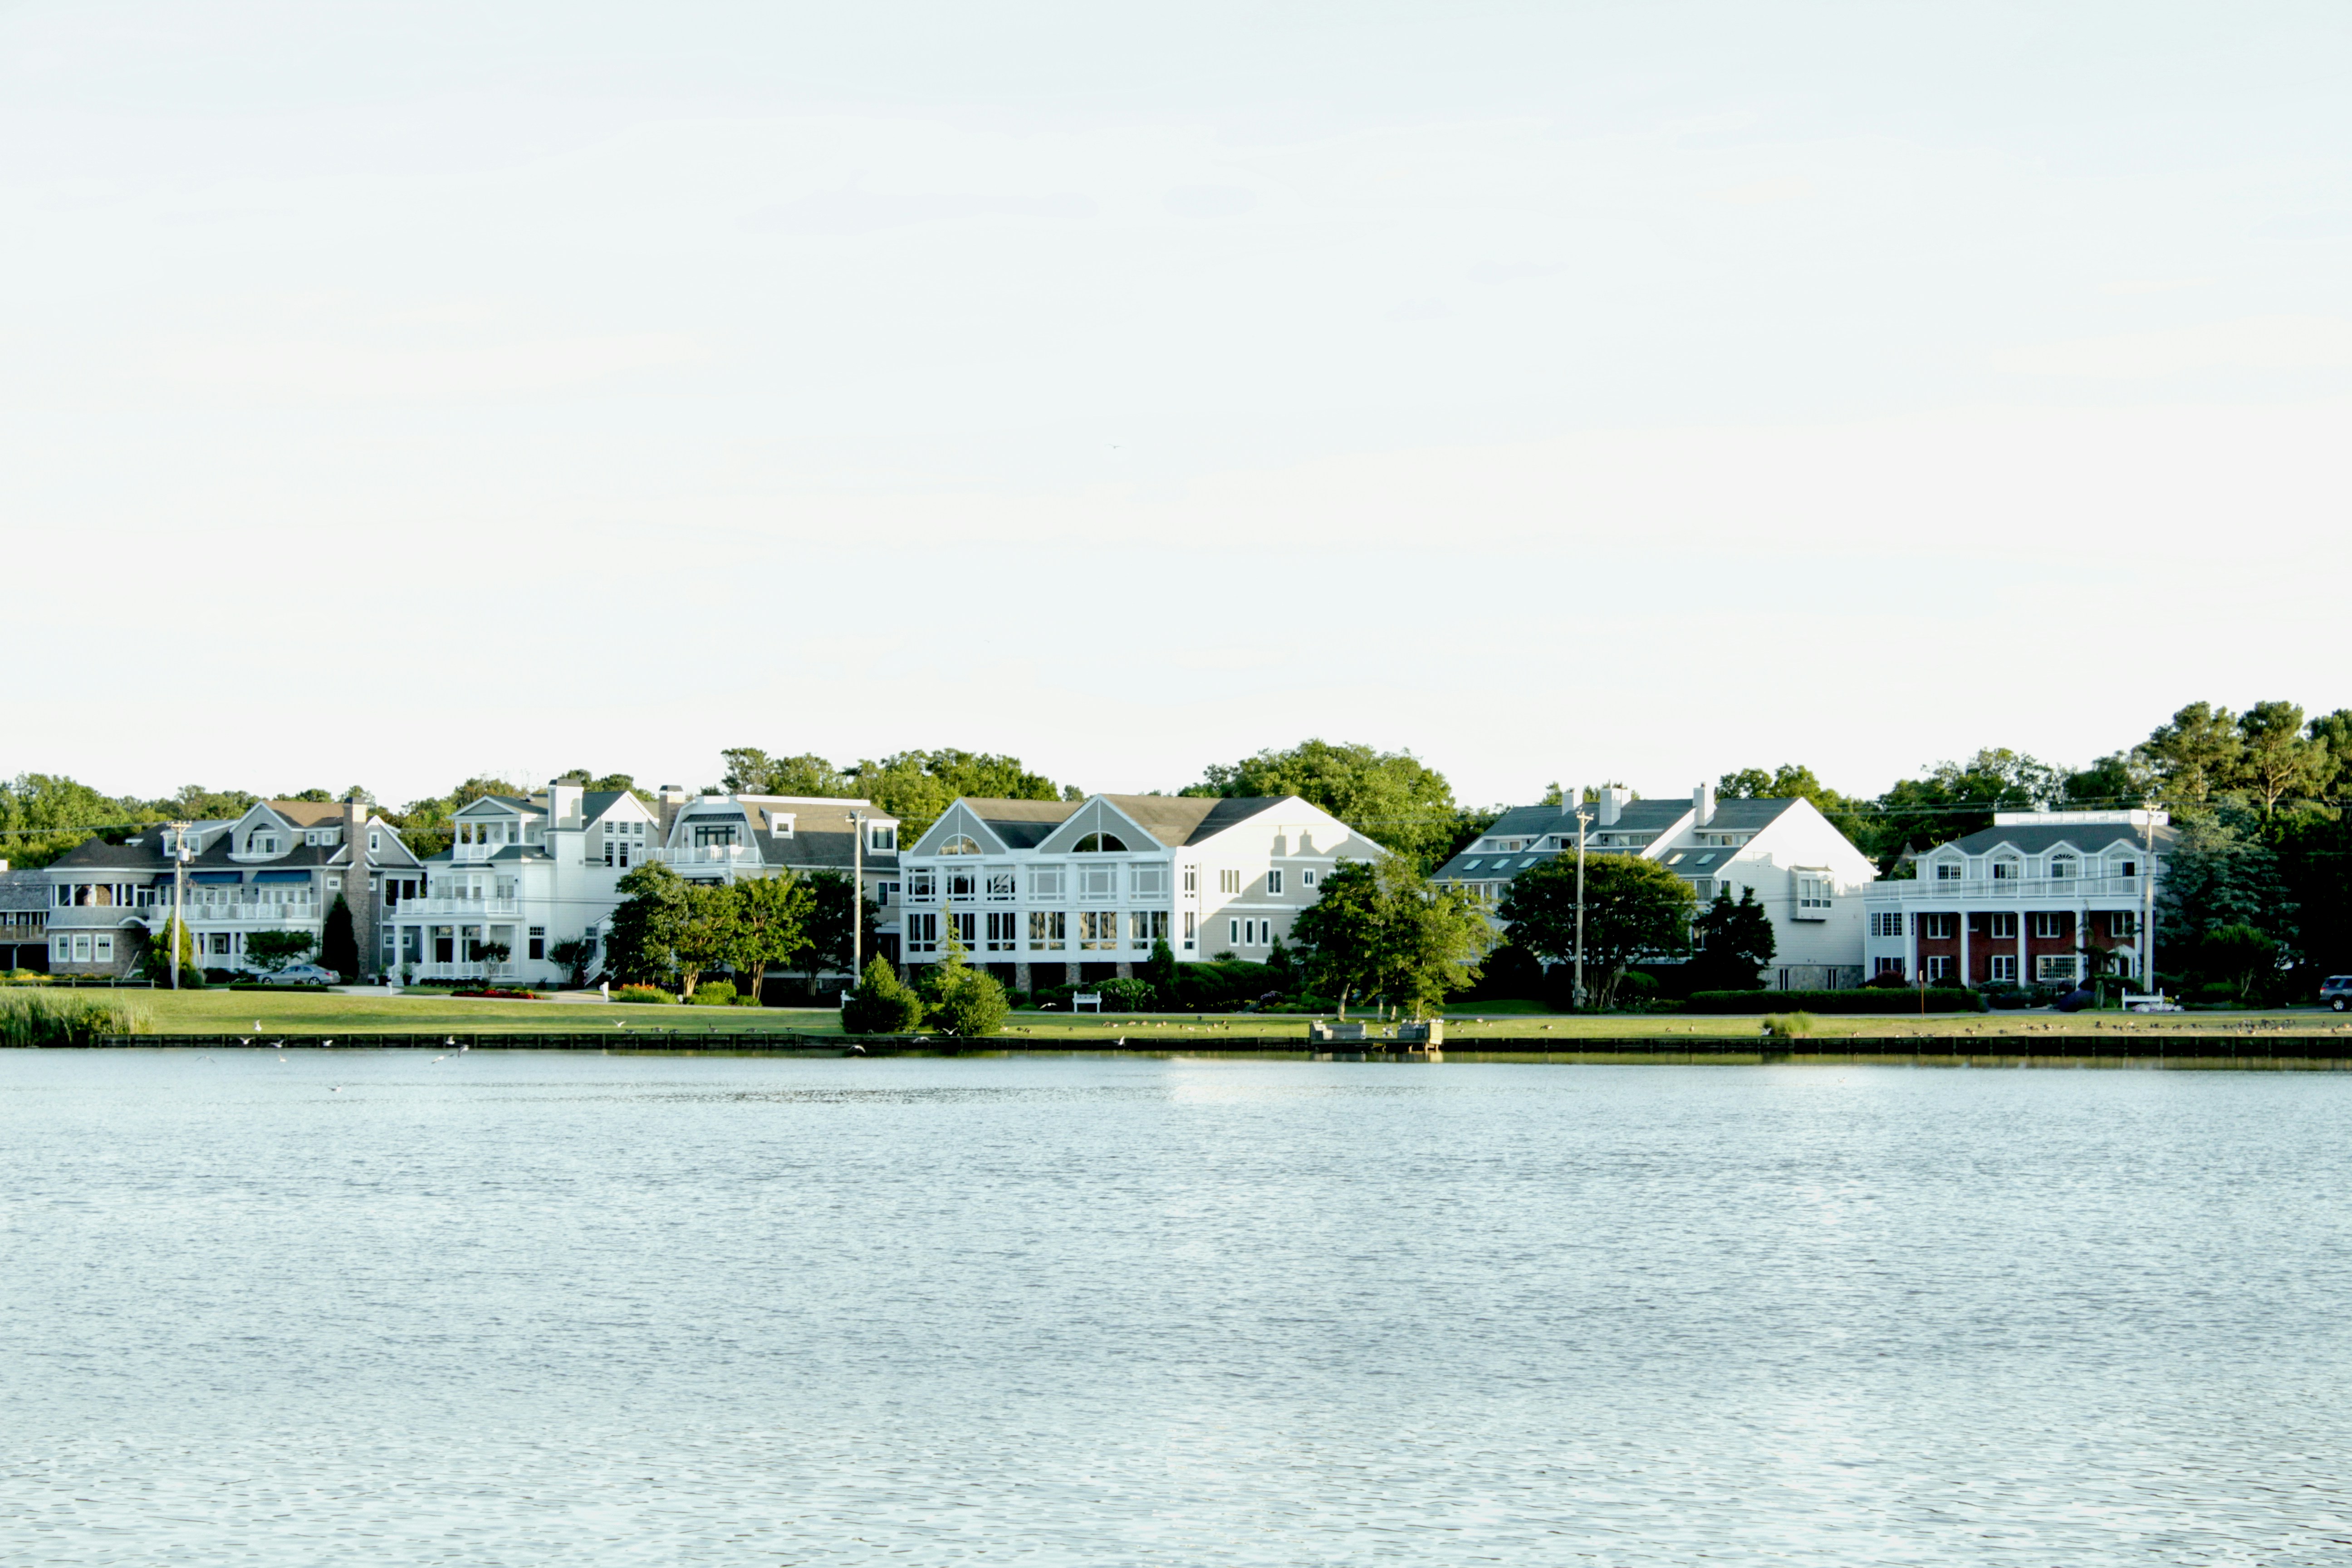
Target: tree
x,y
916,787
750,771
2239,956
574,953
1954,799
155,960
827,944
2276,759
768,925
2195,756
48,814
1634,908
1342,932
880,1004
271,951
2332,733
1392,798
705,936
1159,973
966,1002
2218,873
1733,944
647,922
195,803
338,945
1382,930
619,783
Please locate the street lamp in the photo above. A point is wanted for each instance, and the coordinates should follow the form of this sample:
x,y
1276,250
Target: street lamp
x,y
1583,819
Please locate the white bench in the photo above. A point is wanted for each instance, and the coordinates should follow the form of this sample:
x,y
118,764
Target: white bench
x,y
1086,999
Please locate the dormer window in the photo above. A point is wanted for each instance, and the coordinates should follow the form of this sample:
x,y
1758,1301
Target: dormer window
x,y
1949,870
261,844
2062,866
2004,870
780,824
882,839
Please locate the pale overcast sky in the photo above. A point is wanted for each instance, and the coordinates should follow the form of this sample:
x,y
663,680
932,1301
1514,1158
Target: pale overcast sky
x,y
390,393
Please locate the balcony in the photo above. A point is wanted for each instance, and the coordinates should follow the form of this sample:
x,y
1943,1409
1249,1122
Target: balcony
x,y
307,914
2005,890
454,909
709,854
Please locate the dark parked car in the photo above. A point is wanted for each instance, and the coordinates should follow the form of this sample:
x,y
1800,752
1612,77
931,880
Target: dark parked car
x,y
2336,991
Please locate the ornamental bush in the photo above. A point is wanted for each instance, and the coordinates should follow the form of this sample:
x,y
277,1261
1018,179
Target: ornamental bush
x,y
653,993
880,1004
714,993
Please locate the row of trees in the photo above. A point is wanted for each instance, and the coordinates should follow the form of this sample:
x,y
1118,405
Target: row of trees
x,y
668,931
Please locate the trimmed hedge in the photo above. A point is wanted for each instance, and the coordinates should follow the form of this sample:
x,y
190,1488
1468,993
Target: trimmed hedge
x,y
1939,999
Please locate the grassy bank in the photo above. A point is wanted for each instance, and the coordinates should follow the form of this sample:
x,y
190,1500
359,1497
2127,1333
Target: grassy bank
x,y
221,1012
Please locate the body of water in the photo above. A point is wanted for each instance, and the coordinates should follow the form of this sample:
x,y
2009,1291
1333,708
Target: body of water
x,y
502,1308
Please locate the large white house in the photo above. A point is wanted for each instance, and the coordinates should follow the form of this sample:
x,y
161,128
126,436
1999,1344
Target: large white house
x,y
520,874
280,866
1056,892
2032,899
1809,877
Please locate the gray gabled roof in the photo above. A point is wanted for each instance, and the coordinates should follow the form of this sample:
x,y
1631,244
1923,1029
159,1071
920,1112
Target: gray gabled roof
x,y
2037,838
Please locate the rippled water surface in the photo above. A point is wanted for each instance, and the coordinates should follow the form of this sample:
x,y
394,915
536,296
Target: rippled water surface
x,y
353,1306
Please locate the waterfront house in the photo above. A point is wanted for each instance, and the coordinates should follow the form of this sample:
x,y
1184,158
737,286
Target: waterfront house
x,y
1058,892
280,866
1808,876
721,838
24,919
2041,898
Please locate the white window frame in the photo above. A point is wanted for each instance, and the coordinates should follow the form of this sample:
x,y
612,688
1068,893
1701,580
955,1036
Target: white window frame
x,y
2003,968
882,839
1048,884
2048,925
780,824
1229,881
1307,878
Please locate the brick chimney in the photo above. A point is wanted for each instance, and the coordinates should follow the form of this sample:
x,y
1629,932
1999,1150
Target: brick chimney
x,y
1702,806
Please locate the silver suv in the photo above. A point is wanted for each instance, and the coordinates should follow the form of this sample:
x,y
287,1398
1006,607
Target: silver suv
x,y
2336,991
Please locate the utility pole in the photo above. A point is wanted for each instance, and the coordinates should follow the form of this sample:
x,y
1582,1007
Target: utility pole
x,y
857,896
1583,818
179,896
2147,900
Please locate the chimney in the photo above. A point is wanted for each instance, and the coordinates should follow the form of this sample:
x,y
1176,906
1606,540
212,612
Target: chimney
x,y
673,801
1611,799
563,803
359,880
1702,806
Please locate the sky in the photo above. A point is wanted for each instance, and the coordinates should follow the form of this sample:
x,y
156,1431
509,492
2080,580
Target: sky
x,y
395,393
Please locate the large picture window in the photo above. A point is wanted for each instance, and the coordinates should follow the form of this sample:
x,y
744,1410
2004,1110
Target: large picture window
x,y
1049,931
1048,883
1097,930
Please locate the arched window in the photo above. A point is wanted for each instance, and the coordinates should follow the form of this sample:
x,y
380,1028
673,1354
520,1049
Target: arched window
x,y
959,845
1102,844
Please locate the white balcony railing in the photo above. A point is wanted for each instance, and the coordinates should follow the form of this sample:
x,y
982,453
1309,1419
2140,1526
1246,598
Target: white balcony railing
x,y
2004,889
307,914
456,908
709,854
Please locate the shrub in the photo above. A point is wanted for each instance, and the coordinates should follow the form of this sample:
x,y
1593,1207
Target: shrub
x,y
881,1004
1939,999
44,1017
966,1002
1788,1026
504,993
714,993
1122,995
653,993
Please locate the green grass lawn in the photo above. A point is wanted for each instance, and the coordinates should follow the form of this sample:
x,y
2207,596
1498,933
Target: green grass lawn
x,y
236,1012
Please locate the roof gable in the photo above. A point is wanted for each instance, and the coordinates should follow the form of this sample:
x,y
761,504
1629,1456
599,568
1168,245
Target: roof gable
x,y
1099,814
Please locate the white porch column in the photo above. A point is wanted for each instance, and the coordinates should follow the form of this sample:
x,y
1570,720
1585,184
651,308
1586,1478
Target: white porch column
x,y
2025,975
1966,970
1911,921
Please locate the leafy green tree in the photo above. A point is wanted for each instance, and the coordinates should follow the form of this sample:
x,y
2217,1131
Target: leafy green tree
x,y
2195,756
339,943
1954,799
767,925
827,939
316,796
916,787
195,803
965,1003
1733,944
1392,798
1382,930
1343,932
881,1004
1634,908
622,784
1159,973
2239,956
706,936
2276,760
48,814
271,951
155,960
750,771
2332,733
573,954
647,925
2120,779
2218,873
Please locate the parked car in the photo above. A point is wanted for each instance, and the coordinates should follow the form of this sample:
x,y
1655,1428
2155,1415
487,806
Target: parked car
x,y
2157,1002
304,975
2336,991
